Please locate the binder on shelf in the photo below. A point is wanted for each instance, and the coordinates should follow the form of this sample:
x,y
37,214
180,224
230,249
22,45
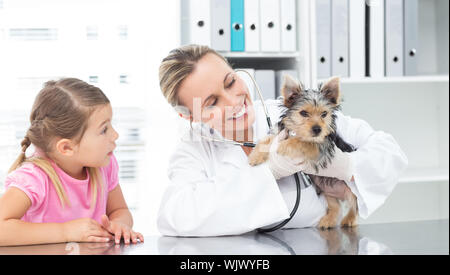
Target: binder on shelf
x,y
339,38
411,28
266,82
249,81
376,38
323,27
237,26
279,78
288,26
195,22
394,37
220,25
357,38
270,25
252,26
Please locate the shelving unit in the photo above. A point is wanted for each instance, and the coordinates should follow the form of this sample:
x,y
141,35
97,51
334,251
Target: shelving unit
x,y
299,60
414,112
395,80
246,55
414,109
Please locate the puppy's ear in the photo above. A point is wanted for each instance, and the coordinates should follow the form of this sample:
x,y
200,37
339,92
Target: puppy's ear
x,y
291,90
332,90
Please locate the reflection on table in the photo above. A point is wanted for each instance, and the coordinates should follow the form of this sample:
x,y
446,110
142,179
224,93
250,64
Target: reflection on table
x,y
428,237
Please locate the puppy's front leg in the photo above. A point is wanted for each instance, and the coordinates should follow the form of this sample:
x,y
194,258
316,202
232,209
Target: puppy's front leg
x,y
261,152
295,148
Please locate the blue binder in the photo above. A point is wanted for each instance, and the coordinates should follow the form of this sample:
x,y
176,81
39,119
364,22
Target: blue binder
x,y
237,26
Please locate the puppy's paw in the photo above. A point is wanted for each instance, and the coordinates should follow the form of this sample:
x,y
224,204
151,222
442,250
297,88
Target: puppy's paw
x,y
256,158
349,221
327,221
261,152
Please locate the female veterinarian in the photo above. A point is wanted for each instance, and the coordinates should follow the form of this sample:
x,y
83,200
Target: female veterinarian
x,y
213,190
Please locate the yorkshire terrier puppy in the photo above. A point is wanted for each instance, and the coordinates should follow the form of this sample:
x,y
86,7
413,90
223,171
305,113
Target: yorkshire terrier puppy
x,y
310,122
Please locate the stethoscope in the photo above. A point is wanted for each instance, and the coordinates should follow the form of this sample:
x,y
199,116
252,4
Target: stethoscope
x,y
305,177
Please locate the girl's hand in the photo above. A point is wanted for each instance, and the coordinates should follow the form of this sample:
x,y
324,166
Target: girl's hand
x,y
85,230
119,229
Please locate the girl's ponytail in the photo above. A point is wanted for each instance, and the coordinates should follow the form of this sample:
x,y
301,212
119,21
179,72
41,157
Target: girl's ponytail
x,y
22,157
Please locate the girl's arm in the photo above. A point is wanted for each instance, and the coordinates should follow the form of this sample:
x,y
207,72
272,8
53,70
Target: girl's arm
x,y
117,209
13,206
118,219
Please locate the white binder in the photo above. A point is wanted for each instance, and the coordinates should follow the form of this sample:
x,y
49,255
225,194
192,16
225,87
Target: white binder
x,y
394,37
195,22
266,82
357,38
339,38
288,26
220,25
411,50
270,25
252,26
376,38
323,29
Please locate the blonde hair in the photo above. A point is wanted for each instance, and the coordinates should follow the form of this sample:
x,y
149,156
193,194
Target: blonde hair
x,y
178,65
61,110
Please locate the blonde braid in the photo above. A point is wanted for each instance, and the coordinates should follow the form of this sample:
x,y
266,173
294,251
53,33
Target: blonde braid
x,y
22,157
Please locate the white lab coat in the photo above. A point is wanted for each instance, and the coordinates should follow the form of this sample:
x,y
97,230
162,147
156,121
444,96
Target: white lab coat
x,y
213,191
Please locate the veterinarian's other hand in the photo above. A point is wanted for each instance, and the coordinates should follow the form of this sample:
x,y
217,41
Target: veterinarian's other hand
x,y
340,167
332,187
282,166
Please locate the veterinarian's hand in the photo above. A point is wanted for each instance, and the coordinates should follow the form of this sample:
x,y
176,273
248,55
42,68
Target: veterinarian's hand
x,y
340,167
282,166
332,187
121,230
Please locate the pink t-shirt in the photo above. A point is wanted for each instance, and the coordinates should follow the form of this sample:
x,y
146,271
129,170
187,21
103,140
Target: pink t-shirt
x,y
45,204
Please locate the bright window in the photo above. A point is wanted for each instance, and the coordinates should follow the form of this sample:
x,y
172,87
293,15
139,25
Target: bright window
x,y
116,45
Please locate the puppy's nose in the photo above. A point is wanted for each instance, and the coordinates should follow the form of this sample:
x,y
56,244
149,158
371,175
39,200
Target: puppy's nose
x,y
316,130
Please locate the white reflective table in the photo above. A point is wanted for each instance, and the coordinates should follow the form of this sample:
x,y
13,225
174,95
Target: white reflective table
x,y
425,237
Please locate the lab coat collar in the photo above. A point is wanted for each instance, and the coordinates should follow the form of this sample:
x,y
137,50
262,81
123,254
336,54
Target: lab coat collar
x,y
226,153
203,130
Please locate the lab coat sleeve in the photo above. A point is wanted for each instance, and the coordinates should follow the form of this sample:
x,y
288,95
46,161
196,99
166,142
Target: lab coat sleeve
x,y
377,163
233,201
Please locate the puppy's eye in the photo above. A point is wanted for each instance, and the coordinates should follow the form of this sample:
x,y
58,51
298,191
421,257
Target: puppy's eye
x,y
304,114
324,114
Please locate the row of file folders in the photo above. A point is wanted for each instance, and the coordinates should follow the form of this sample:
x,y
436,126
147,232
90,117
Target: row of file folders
x,y
367,38
240,25
269,82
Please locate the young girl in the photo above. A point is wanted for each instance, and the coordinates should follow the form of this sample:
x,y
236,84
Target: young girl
x,y
68,190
